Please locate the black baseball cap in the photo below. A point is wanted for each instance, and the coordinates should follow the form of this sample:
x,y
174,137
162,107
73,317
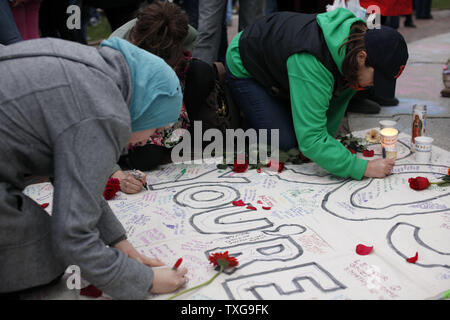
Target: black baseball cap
x,y
387,53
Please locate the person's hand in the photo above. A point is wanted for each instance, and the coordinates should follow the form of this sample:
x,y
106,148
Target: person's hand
x,y
166,280
126,247
379,168
130,182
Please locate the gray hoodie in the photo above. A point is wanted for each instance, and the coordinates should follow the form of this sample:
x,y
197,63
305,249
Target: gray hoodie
x,y
63,113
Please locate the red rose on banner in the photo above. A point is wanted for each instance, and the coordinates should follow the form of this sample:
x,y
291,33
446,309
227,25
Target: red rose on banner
x,y
240,164
112,187
418,183
275,165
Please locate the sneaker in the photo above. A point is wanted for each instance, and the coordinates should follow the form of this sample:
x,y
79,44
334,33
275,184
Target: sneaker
x,y
364,106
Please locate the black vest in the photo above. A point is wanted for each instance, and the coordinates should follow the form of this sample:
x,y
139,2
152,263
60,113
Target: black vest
x,y
266,45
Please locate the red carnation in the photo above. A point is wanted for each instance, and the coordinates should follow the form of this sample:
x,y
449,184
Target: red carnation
x,y
351,150
368,153
223,260
242,165
112,186
418,183
275,165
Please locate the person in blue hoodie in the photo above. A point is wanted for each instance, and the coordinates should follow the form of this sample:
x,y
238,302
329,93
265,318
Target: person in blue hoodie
x,y
66,112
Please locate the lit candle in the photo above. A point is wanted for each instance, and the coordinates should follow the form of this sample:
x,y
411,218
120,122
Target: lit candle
x,y
389,142
389,132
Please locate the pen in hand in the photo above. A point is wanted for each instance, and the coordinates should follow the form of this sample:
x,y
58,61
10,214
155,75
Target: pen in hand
x,y
138,176
177,264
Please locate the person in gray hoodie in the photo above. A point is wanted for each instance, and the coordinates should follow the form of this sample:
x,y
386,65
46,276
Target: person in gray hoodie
x,y
66,112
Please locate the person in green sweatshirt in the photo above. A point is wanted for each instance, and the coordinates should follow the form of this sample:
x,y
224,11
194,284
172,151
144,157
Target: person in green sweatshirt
x,y
297,73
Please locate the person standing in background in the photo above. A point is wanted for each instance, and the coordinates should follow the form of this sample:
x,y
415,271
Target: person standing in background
x,y
26,14
211,19
9,33
423,9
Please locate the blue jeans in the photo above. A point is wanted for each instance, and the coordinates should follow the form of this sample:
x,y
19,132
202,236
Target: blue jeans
x,y
9,33
262,110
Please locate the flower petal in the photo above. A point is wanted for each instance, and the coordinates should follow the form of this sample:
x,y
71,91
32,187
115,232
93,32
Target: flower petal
x,y
267,208
240,167
368,153
91,291
275,165
413,259
238,203
251,208
363,250
45,205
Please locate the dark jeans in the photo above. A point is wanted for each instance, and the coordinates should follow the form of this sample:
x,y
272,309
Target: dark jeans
x,y
199,83
262,110
9,33
393,22
423,8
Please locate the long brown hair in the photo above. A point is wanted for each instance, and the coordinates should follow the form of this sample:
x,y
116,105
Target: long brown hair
x,y
161,28
354,44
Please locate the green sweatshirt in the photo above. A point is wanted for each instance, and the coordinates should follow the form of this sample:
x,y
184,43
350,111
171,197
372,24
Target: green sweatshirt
x,y
316,117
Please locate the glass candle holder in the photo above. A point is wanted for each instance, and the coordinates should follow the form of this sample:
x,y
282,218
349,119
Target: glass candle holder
x,y
388,139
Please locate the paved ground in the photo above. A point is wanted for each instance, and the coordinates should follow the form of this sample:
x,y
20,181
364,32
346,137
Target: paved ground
x,y
421,82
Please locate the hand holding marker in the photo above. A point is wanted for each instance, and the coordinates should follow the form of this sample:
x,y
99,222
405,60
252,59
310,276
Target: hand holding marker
x,y
138,176
177,264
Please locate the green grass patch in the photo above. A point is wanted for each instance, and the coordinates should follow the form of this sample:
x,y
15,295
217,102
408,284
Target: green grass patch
x,y
440,4
100,31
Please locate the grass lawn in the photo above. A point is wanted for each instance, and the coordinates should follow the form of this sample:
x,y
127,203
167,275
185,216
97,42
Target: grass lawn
x,y
100,31
440,4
